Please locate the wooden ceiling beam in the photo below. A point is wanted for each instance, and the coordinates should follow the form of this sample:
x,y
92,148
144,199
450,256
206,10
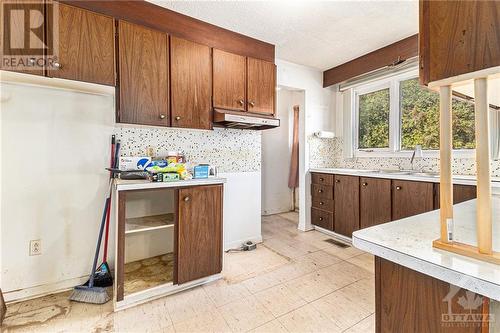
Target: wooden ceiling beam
x,y
390,54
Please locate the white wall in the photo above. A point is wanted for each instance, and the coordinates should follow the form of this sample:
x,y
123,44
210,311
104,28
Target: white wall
x,y
317,115
53,184
276,151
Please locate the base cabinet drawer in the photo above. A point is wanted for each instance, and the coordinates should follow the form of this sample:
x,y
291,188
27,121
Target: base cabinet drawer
x,y
322,178
323,204
322,191
322,218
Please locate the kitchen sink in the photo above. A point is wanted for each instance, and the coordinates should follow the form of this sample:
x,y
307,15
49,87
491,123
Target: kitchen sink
x,y
395,172
425,174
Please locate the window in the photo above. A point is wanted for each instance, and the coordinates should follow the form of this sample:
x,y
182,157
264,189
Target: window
x,y
420,118
374,119
396,114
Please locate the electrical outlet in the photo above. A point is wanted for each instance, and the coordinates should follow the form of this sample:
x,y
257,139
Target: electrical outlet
x,y
35,247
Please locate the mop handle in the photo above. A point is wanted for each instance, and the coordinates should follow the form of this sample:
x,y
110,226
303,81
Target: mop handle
x,y
108,213
101,230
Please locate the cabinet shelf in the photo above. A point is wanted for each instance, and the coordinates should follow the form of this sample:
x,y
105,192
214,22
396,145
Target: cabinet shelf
x,y
148,223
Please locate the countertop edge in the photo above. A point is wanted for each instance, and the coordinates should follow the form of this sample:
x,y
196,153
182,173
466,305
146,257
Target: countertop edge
x,y
143,185
355,172
442,273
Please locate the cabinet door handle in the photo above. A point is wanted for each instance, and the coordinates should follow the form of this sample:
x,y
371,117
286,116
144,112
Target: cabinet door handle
x,y
57,65
321,203
186,199
177,118
321,219
320,191
337,180
364,184
162,116
398,188
252,104
32,61
322,179
241,102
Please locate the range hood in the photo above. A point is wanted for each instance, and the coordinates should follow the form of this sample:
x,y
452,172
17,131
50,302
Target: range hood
x,y
232,119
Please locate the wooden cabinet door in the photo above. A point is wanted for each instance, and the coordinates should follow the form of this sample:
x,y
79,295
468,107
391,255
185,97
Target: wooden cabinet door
x,y
229,71
86,47
191,84
261,86
14,46
457,37
346,198
199,232
411,198
461,193
409,301
143,73
374,201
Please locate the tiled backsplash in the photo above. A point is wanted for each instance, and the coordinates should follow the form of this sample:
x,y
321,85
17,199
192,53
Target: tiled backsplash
x,y
231,150
327,153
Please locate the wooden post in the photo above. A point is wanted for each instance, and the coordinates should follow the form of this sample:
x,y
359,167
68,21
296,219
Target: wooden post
x,y
445,142
484,216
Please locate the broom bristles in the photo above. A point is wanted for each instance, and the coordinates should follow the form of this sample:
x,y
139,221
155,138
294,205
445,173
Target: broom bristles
x,y
94,295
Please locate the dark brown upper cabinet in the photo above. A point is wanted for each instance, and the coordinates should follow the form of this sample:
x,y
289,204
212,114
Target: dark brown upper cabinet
x,y
374,201
143,75
411,198
261,86
243,84
191,84
199,230
86,46
13,42
229,72
346,198
457,37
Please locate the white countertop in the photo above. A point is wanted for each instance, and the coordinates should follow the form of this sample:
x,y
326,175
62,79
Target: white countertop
x,y
457,179
408,242
127,185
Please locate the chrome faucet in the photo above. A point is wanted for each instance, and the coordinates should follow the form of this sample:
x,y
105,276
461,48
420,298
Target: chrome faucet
x,y
417,153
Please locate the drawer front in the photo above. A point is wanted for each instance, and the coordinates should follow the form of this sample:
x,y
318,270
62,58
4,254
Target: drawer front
x,y
322,191
322,178
322,218
324,204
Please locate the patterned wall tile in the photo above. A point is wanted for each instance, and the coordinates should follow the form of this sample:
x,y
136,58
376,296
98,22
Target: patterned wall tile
x,y
231,150
327,153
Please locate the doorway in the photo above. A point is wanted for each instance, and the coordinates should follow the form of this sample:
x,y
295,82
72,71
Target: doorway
x,y
277,149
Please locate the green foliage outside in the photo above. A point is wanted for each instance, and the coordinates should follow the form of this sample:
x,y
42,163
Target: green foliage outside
x,y
374,119
419,119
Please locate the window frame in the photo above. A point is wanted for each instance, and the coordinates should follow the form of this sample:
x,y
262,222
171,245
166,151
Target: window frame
x,y
392,82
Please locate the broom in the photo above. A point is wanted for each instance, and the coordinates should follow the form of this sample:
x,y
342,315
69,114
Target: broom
x,y
102,276
90,293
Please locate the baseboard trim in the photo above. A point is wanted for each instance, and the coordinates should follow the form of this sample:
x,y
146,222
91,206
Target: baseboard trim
x,y
43,290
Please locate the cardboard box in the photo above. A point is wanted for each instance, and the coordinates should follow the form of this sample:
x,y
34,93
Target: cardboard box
x,y
134,163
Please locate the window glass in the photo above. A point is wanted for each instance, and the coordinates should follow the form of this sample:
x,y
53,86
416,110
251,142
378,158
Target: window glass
x,y
373,116
420,118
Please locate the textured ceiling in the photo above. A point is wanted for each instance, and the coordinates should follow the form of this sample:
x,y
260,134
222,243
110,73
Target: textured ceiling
x,y
319,34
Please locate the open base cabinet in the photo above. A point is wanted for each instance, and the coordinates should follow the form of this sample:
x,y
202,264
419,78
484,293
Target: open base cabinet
x,y
167,239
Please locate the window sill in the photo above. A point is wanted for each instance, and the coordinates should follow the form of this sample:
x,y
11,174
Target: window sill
x,y
462,153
